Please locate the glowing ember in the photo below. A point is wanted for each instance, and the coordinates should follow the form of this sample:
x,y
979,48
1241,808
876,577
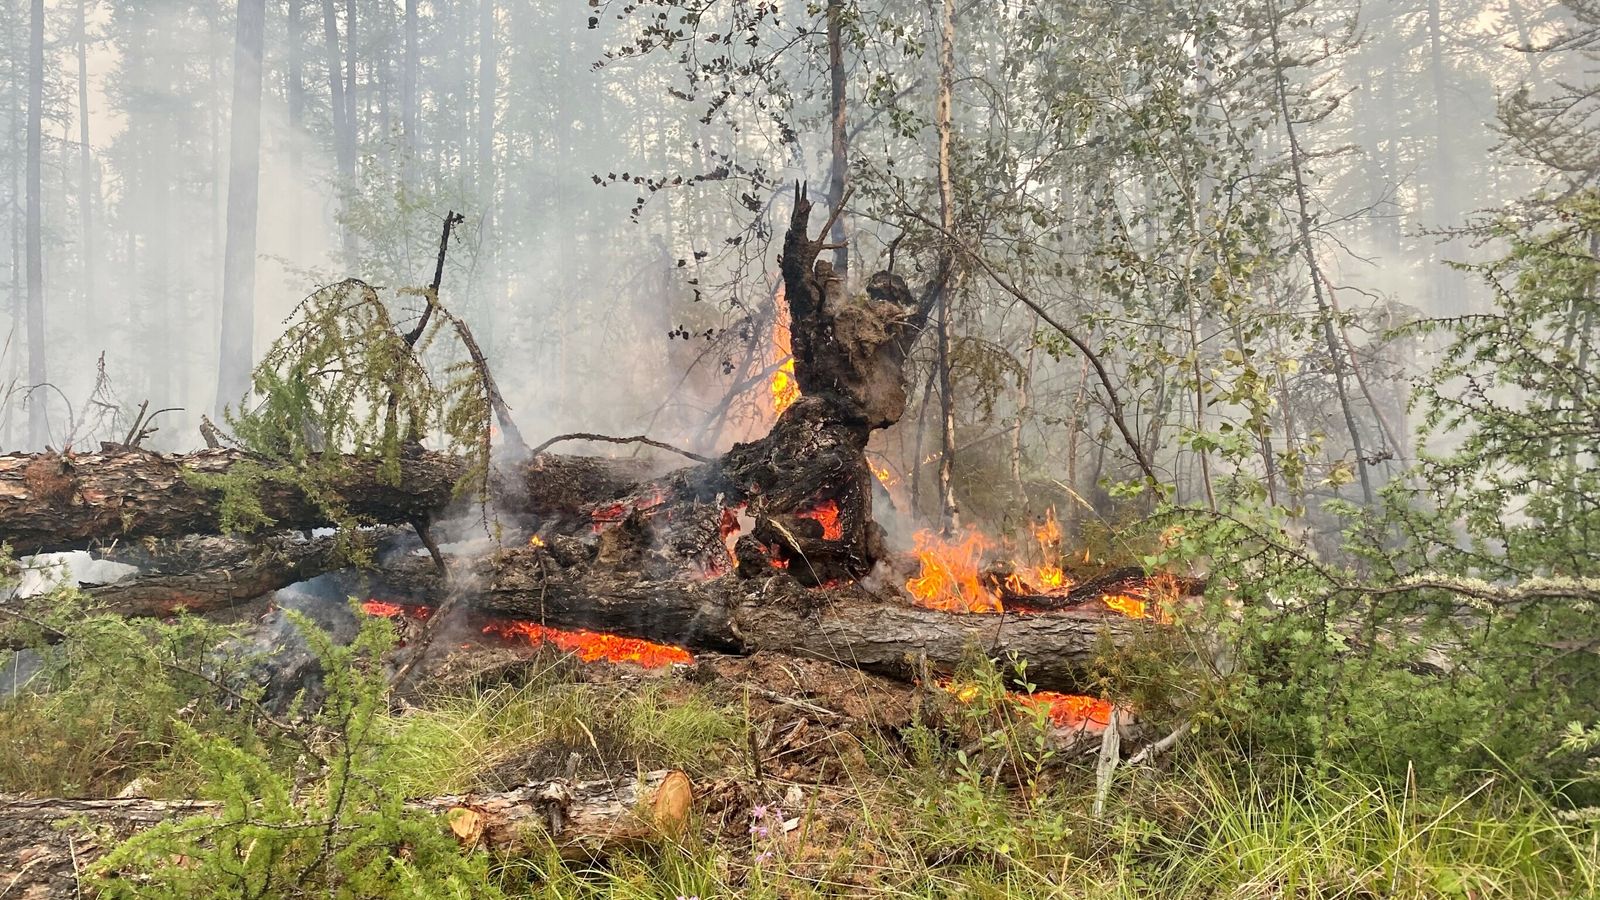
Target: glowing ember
x,y
593,646
950,578
827,514
387,610
590,646
1069,710
612,513
884,476
1063,710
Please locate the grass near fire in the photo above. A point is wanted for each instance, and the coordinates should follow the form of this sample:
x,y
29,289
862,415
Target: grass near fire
x,y
909,815
972,800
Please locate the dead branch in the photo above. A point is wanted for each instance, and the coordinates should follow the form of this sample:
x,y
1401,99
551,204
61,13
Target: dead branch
x,y
608,439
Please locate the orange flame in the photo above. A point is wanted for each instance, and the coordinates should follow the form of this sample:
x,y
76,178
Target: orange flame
x,y
1128,605
950,578
827,514
784,388
536,541
1158,593
593,646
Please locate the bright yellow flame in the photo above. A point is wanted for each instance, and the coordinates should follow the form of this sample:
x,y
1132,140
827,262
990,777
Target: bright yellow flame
x,y
785,390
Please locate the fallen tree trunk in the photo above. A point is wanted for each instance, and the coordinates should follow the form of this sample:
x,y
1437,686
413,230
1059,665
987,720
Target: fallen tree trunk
x,y
202,574
845,623
45,843
51,502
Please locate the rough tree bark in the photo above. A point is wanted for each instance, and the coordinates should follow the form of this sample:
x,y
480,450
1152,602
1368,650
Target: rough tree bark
x,y
51,502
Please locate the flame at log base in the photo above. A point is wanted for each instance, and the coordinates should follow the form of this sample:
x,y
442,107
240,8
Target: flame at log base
x,y
589,646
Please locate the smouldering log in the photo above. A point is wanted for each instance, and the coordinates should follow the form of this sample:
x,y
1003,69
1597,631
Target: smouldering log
x,y
845,623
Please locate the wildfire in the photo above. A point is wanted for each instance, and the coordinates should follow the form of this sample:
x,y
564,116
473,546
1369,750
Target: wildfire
x,y
826,513
1128,605
536,541
1156,594
951,573
953,577
593,646
590,646
1047,577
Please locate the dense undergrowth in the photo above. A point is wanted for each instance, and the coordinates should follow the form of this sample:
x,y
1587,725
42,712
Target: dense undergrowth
x,y
976,801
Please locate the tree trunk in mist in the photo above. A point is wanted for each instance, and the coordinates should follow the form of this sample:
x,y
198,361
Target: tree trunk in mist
x,y
408,86
18,289
352,103
244,181
1450,285
296,85
487,89
38,426
841,161
344,142
88,185
1308,247
949,515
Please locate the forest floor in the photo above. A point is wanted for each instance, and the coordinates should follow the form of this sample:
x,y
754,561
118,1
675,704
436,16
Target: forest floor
x,y
815,780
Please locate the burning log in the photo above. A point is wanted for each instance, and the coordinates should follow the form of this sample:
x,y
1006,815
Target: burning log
x,y
846,623
48,840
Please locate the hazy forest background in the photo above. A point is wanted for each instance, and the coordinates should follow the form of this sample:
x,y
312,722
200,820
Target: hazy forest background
x,y
613,195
